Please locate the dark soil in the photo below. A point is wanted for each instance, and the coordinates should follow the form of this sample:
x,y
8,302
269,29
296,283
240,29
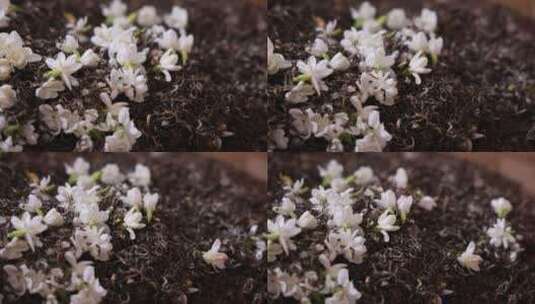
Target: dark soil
x,y
483,83
220,89
200,200
419,263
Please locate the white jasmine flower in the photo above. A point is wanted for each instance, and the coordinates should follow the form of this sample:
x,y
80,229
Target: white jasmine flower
x,y
501,206
16,279
178,18
92,292
169,40
29,227
427,203
66,195
77,268
112,37
95,240
214,257
377,59
366,11
149,204
419,43
13,51
40,187
116,9
5,69
363,176
70,45
129,57
344,217
315,72
468,259
111,175
319,48
500,234
112,108
50,89
435,46
335,145
141,176
14,249
380,85
185,45
8,97
133,83
376,138
283,231
387,200
340,62
275,61
148,16
29,134
78,28
80,167
371,25
362,42
401,179
278,139
53,218
404,204
34,204
90,215
168,63
300,93
125,135
90,58
65,67
8,146
396,19
386,223
307,221
333,170
295,189
427,21
339,184
132,220
133,198
346,293
418,66
352,245
287,207
329,30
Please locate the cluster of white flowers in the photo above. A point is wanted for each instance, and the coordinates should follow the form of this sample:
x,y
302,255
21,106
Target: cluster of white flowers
x,y
362,48
501,235
120,37
77,204
114,122
13,55
349,210
128,75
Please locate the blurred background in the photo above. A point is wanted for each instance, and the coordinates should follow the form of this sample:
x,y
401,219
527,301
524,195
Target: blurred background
x,y
519,167
253,163
525,7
